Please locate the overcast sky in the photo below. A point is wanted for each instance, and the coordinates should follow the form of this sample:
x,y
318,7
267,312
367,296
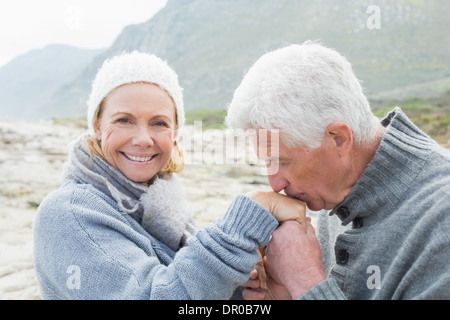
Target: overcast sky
x,y
93,24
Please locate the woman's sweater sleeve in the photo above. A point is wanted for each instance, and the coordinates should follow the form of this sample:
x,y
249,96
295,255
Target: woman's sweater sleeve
x,y
85,249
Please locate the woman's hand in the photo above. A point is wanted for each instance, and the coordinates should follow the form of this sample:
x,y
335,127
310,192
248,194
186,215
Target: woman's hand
x,y
260,270
282,207
253,290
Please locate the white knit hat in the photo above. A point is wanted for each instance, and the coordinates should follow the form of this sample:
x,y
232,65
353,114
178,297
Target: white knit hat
x,y
131,68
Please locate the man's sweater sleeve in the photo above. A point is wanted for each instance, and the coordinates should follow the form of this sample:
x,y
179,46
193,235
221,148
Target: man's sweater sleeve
x,y
326,290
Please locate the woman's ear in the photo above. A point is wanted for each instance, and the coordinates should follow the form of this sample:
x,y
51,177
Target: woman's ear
x,y
97,120
341,137
175,134
97,131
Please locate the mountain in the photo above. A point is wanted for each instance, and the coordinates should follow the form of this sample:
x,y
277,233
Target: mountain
x,y
28,82
211,44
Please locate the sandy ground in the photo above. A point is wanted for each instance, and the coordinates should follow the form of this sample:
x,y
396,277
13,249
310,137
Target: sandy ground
x,y
31,160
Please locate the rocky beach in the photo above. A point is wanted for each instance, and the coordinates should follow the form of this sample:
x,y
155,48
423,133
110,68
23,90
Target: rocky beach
x,y
219,166
32,156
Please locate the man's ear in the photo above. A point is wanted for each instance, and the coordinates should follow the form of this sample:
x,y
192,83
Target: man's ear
x,y
340,136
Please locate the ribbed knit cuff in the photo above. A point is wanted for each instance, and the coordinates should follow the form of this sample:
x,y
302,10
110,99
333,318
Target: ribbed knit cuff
x,y
249,219
325,290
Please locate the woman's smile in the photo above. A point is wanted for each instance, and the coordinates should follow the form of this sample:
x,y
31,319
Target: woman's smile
x,y
138,158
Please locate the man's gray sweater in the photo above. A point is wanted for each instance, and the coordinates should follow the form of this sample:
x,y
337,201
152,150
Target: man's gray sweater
x,y
390,237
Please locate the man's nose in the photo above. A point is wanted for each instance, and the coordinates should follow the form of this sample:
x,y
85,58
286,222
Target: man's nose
x,y
277,183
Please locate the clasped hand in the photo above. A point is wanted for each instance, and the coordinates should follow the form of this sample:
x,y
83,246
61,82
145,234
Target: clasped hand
x,y
291,264
282,207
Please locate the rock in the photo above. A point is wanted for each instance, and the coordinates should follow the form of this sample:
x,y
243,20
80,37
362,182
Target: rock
x,y
31,160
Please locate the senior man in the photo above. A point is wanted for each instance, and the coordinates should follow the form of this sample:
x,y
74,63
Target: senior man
x,y
383,187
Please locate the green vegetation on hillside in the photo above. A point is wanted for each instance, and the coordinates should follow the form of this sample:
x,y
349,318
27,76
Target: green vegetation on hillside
x,y
211,119
432,115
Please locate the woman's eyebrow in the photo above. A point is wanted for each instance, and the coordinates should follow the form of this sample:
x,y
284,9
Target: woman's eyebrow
x,y
159,115
120,113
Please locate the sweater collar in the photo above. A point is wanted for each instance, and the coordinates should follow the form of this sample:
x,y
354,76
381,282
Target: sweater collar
x,y
403,151
160,208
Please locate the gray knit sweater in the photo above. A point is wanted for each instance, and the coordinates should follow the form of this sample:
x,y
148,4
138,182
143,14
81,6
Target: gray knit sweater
x,y
390,237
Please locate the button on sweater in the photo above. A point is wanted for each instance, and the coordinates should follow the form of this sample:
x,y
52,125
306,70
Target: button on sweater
x,y
390,237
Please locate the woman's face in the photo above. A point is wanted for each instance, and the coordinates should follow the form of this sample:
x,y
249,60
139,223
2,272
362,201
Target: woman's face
x,y
136,129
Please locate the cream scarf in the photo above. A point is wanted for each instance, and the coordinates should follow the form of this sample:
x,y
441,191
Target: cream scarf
x,y
160,208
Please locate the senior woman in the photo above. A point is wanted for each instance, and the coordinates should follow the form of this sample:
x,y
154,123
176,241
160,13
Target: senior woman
x,y
118,227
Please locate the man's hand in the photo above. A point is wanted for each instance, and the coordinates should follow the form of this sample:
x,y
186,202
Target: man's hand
x,y
293,258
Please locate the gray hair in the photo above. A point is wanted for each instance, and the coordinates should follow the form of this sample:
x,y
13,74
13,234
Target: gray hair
x,y
300,90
